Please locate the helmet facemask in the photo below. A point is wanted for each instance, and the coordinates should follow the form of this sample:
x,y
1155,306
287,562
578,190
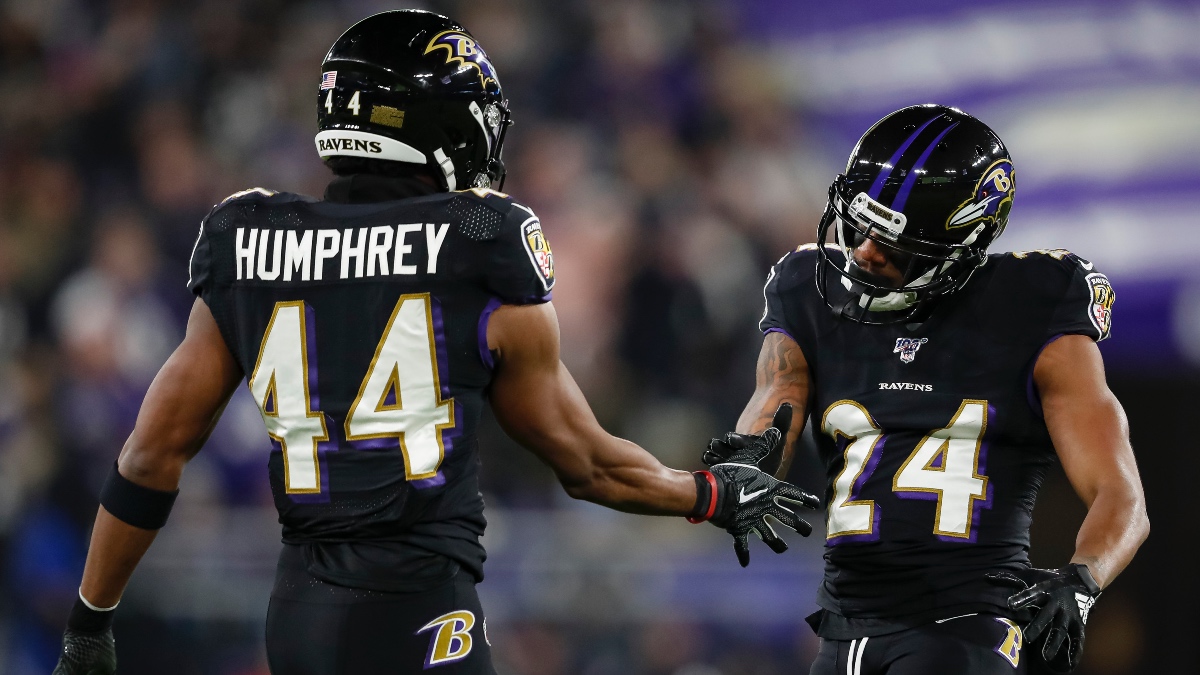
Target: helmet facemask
x,y
930,269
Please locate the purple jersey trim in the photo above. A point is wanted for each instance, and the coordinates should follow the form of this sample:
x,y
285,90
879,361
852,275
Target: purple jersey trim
x,y
314,399
1031,392
979,505
773,329
485,354
441,352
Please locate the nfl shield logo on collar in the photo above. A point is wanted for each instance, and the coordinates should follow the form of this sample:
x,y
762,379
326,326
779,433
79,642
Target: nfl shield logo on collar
x,y
907,348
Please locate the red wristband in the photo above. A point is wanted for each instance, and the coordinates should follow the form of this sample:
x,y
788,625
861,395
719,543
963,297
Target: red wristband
x,y
712,494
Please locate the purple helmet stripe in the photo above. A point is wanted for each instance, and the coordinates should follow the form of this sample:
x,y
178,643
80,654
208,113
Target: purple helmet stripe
x,y
877,186
911,178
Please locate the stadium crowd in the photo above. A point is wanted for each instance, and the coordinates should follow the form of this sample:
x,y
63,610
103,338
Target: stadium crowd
x,y
667,171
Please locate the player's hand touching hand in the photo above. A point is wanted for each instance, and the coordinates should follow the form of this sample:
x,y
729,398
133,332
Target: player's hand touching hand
x,y
721,449
744,494
87,646
1055,606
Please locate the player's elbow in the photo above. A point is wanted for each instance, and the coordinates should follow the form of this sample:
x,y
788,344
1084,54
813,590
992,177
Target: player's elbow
x,y
1141,522
586,486
151,465
591,483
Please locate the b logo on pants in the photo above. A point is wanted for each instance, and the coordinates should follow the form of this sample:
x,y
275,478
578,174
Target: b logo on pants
x,y
1010,646
451,639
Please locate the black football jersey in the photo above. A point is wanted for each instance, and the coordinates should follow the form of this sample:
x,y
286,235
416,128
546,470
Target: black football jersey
x,y
360,322
931,433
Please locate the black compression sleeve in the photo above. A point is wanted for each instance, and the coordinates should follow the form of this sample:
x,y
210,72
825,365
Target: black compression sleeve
x,y
135,505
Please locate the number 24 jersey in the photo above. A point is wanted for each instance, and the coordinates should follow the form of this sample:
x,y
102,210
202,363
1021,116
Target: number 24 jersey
x,y
931,434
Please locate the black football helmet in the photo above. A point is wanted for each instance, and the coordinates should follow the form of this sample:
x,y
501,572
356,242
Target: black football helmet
x,y
932,187
414,86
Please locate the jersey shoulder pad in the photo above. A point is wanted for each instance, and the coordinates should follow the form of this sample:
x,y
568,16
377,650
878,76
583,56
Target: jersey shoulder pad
x,y
247,195
243,202
1045,267
799,266
1082,295
520,262
479,213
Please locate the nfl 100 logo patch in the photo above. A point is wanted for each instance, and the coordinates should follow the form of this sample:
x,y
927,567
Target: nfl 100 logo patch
x,y
907,348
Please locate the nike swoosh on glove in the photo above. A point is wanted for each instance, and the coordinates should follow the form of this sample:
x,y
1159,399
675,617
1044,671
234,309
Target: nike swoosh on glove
x,y
746,495
1055,604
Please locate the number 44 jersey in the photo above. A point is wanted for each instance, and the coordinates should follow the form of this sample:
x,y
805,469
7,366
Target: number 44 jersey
x,y
361,325
931,433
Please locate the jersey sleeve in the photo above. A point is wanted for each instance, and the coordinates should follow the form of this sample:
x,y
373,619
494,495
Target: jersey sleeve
x,y
202,275
520,266
1086,304
200,266
774,316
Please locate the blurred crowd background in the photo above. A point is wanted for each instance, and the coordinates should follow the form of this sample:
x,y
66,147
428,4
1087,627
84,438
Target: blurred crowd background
x,y
673,149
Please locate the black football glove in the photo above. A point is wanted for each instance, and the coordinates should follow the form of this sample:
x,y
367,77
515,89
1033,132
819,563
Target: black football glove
x,y
87,646
745,494
721,449
1054,605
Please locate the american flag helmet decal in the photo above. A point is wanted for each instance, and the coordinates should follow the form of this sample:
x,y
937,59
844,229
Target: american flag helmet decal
x,y
328,79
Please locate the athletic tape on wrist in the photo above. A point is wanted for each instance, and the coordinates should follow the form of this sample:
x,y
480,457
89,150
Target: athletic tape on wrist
x,y
134,504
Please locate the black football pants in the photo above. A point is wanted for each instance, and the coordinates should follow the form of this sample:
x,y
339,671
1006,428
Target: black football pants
x,y
979,644
316,628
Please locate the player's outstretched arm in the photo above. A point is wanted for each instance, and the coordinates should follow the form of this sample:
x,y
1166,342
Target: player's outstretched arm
x,y
179,411
539,404
1091,436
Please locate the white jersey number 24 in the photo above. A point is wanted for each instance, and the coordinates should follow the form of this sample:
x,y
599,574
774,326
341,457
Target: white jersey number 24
x,y
944,465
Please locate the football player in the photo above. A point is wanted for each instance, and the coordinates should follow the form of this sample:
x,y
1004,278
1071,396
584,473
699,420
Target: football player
x,y
942,381
370,326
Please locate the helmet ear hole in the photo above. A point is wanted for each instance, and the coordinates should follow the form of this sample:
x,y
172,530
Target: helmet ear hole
x,y
456,137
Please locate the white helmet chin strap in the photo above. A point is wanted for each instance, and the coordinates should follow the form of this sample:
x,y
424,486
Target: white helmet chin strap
x,y
447,166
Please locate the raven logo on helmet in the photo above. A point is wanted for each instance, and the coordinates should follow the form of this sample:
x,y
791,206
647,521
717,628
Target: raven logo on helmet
x,y
464,50
991,201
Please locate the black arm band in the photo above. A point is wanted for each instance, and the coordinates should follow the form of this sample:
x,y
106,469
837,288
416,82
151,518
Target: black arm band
x,y
701,512
133,504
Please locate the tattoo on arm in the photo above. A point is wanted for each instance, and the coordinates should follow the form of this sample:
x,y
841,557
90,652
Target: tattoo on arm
x,y
782,376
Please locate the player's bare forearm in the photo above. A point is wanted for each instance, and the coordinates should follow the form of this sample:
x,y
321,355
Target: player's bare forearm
x,y
598,467
539,404
781,377
179,411
1091,436
114,552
